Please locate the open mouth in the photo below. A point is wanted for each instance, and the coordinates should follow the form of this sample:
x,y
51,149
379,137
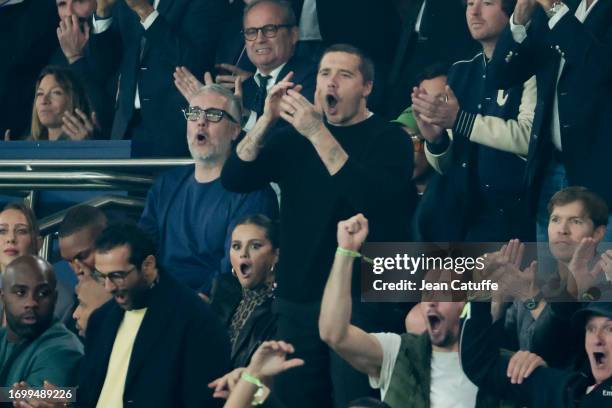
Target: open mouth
x,y
600,358
245,269
331,100
29,319
201,137
120,298
434,322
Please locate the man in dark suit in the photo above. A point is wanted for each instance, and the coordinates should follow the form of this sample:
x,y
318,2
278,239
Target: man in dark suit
x,y
156,343
434,31
146,41
568,46
270,34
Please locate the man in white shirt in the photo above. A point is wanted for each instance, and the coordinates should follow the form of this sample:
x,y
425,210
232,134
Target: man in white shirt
x,y
568,46
409,369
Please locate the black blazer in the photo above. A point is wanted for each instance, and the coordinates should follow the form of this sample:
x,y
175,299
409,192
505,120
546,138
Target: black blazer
x,y
585,111
185,33
443,38
230,49
180,347
304,73
373,26
259,327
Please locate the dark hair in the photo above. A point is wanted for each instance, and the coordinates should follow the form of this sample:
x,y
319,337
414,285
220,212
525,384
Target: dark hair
x,y
81,217
432,71
506,5
117,235
288,15
366,66
270,227
367,402
595,207
75,90
29,215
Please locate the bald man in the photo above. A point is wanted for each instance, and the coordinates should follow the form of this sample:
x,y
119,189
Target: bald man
x,y
34,347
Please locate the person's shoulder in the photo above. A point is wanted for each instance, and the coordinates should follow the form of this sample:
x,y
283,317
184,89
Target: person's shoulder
x,y
57,338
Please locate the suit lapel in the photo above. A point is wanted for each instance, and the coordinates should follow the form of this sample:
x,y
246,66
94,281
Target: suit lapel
x,y
153,326
288,67
162,9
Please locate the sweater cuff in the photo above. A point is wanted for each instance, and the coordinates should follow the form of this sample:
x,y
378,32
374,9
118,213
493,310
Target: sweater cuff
x,y
441,146
464,124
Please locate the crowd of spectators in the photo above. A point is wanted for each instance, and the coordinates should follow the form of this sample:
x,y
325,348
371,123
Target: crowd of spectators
x,y
314,126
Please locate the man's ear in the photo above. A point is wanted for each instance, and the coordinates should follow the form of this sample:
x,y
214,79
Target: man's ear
x,y
367,88
149,268
599,233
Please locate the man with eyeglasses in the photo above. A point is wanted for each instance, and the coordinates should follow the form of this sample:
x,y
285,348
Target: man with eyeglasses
x,y
188,213
270,36
337,158
156,343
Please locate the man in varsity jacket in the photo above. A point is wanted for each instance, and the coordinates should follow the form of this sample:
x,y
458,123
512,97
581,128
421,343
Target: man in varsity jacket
x,y
475,139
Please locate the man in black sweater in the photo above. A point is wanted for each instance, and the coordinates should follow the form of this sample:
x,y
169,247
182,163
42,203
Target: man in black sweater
x,y
339,159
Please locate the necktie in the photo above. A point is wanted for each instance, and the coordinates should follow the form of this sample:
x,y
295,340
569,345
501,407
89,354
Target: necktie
x,y
262,92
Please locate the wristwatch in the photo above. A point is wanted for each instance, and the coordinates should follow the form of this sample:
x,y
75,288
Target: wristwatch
x,y
533,302
554,9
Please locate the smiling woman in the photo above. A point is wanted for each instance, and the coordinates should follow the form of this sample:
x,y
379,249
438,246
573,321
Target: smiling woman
x,y
61,107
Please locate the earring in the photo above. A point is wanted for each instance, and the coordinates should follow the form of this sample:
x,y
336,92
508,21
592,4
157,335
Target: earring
x,y
234,273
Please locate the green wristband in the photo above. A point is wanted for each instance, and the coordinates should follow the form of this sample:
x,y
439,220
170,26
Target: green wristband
x,y
353,254
251,379
258,397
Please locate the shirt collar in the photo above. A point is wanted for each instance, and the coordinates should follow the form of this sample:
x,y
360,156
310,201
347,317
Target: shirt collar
x,y
273,75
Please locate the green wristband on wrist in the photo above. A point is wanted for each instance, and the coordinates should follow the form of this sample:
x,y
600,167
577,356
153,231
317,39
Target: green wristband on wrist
x,y
258,397
353,254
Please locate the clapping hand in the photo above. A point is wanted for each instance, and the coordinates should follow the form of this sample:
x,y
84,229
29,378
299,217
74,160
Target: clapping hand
x,y
229,81
78,126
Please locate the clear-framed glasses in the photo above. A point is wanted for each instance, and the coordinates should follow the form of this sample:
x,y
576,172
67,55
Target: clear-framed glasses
x,y
268,31
117,277
214,115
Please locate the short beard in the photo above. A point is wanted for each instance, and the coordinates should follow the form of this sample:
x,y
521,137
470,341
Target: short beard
x,y
30,331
